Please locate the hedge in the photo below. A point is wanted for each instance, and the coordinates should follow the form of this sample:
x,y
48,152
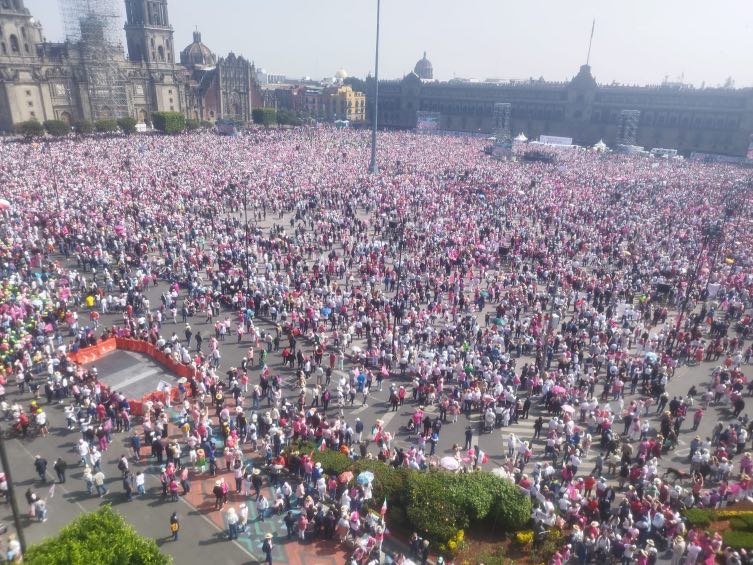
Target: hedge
x,y
738,540
127,124
83,127
169,122
106,126
434,503
101,537
58,128
30,128
699,517
264,116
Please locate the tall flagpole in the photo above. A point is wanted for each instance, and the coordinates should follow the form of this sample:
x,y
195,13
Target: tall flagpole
x,y
590,41
373,167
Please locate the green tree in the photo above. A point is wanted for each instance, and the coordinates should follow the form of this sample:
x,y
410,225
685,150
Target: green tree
x,y
83,127
286,118
108,125
193,125
102,537
127,124
31,128
264,116
357,84
169,122
58,128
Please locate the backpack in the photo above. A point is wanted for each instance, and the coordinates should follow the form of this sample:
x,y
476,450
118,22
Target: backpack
x,y
266,547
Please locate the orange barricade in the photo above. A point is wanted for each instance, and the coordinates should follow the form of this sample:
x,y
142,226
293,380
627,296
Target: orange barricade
x,y
137,407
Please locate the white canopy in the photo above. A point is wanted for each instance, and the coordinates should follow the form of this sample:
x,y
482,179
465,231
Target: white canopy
x,y
521,137
600,146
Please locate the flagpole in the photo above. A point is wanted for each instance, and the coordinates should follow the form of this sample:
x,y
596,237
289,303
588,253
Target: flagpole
x,y
590,41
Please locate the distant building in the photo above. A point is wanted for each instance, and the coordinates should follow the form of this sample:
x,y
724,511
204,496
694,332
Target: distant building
x,y
89,77
711,120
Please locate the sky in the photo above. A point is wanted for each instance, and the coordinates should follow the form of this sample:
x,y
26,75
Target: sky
x,y
635,41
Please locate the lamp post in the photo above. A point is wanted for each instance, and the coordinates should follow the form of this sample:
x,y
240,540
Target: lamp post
x,y
12,495
373,167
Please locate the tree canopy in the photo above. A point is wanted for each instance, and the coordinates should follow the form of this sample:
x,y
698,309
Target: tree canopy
x,y
102,537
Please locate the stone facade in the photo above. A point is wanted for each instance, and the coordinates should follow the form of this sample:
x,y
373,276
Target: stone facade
x,y
88,79
710,120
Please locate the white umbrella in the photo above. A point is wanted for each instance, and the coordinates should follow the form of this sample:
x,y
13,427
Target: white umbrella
x,y
567,408
4,204
449,463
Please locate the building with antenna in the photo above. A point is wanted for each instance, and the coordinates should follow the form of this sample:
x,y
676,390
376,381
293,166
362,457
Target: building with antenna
x,y
91,76
715,120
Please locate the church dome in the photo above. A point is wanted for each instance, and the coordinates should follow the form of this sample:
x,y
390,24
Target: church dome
x,y
197,54
423,69
341,74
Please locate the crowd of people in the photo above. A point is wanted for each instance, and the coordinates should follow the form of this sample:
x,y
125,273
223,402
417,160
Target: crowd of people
x,y
466,287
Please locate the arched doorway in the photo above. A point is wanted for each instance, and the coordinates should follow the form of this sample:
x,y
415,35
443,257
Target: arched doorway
x,y
65,117
142,117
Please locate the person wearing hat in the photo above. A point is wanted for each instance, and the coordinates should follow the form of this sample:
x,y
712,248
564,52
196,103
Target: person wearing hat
x,y
267,547
218,493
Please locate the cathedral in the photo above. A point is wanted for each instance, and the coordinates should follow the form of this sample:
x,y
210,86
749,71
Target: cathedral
x,y
88,77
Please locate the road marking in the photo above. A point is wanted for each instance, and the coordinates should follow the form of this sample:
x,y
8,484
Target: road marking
x,y
132,380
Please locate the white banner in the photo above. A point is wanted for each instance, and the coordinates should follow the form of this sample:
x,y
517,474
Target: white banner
x,y
555,140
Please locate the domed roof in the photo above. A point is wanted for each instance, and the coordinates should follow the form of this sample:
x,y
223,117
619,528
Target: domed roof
x,y
423,69
197,54
341,74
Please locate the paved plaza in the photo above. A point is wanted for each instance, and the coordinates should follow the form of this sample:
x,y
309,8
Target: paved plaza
x,y
203,536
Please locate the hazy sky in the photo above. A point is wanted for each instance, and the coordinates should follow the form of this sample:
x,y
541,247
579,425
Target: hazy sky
x,y
636,41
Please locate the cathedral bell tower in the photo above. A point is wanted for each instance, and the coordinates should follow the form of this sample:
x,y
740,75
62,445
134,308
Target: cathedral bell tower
x,y
148,32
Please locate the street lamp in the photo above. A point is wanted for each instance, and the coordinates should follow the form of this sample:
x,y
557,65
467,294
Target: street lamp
x,y
245,223
134,204
373,167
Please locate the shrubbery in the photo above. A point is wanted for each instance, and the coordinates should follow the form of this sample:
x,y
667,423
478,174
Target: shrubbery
x,y
169,122
31,128
737,539
436,504
108,125
101,537
83,127
58,128
127,125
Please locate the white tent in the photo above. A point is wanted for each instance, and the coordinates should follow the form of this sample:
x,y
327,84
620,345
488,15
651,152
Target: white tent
x,y
600,146
521,137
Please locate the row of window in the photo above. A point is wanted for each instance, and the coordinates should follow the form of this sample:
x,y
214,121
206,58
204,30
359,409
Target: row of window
x,y
15,47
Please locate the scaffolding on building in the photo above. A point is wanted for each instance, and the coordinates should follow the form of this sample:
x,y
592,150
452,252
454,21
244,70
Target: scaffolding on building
x,y
95,27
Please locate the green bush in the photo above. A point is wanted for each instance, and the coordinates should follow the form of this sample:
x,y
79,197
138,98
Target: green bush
x,y
31,128
108,125
389,482
169,122
83,127
738,540
58,128
264,116
127,124
699,517
193,125
205,124
101,537
286,118
333,462
432,514
511,509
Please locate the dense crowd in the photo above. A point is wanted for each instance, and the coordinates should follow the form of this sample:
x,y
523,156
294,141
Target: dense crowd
x,y
461,284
